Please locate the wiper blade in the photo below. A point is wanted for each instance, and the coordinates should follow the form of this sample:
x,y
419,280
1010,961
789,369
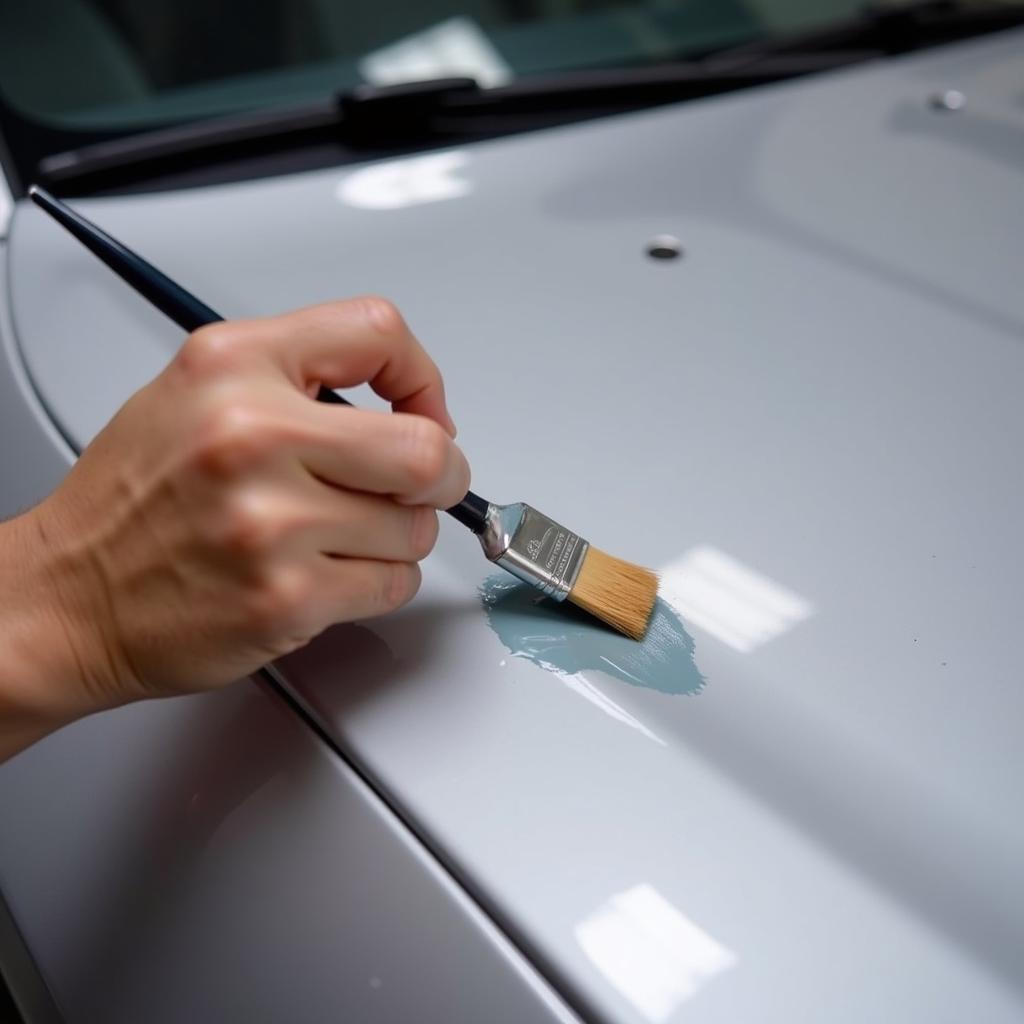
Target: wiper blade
x,y
203,138
885,31
372,112
373,119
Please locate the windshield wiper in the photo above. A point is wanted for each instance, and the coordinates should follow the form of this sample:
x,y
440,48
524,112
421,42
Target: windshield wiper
x,y
371,121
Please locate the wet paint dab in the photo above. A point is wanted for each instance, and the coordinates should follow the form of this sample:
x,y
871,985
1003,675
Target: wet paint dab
x,y
561,638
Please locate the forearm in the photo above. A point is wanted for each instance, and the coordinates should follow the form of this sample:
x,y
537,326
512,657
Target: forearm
x,y
40,680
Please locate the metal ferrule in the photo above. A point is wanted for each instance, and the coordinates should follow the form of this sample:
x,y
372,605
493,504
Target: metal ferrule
x,y
533,548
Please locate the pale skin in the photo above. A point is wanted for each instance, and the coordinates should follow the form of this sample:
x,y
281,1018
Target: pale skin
x,y
224,518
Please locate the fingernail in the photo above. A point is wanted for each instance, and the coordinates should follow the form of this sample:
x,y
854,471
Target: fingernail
x,y
465,474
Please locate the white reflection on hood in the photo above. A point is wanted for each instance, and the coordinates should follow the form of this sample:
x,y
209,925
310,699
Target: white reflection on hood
x,y
407,182
725,598
649,951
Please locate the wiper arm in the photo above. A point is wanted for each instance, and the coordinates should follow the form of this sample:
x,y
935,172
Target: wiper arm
x,y
140,153
885,31
372,119
378,114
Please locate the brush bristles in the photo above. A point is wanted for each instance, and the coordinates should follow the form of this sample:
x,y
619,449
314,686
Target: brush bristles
x,y
617,592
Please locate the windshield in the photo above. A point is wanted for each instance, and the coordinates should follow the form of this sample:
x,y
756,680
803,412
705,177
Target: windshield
x,y
111,94
122,64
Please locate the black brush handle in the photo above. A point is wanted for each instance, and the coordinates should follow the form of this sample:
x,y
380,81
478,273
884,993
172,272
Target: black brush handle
x,y
153,285
187,311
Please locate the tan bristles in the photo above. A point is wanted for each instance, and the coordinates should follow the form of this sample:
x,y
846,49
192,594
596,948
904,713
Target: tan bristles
x,y
617,592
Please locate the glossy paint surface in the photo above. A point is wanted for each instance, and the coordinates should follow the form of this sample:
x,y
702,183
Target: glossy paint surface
x,y
211,859
818,409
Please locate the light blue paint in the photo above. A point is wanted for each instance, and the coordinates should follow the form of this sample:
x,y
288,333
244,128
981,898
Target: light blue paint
x,y
561,638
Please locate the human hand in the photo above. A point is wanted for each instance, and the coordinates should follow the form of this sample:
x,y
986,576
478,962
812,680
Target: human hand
x,y
223,518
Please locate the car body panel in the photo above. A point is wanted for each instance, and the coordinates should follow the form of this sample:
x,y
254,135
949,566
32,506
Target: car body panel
x,y
818,406
212,858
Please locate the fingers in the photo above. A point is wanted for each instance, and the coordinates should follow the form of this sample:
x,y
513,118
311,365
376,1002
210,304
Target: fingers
x,y
295,602
296,516
408,457
340,344
367,526
351,588
317,513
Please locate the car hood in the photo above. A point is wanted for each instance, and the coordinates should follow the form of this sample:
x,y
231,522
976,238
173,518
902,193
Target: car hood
x,y
810,423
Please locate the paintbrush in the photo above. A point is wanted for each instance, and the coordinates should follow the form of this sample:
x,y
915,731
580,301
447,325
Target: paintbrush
x,y
529,545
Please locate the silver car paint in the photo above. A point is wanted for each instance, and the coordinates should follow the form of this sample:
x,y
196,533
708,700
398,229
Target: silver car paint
x,y
817,411
211,859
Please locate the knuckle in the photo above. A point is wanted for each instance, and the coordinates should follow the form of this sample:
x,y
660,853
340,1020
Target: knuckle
x,y
232,437
382,315
248,524
427,452
423,531
279,604
208,350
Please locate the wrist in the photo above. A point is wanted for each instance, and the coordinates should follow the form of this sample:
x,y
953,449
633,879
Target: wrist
x,y
46,681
